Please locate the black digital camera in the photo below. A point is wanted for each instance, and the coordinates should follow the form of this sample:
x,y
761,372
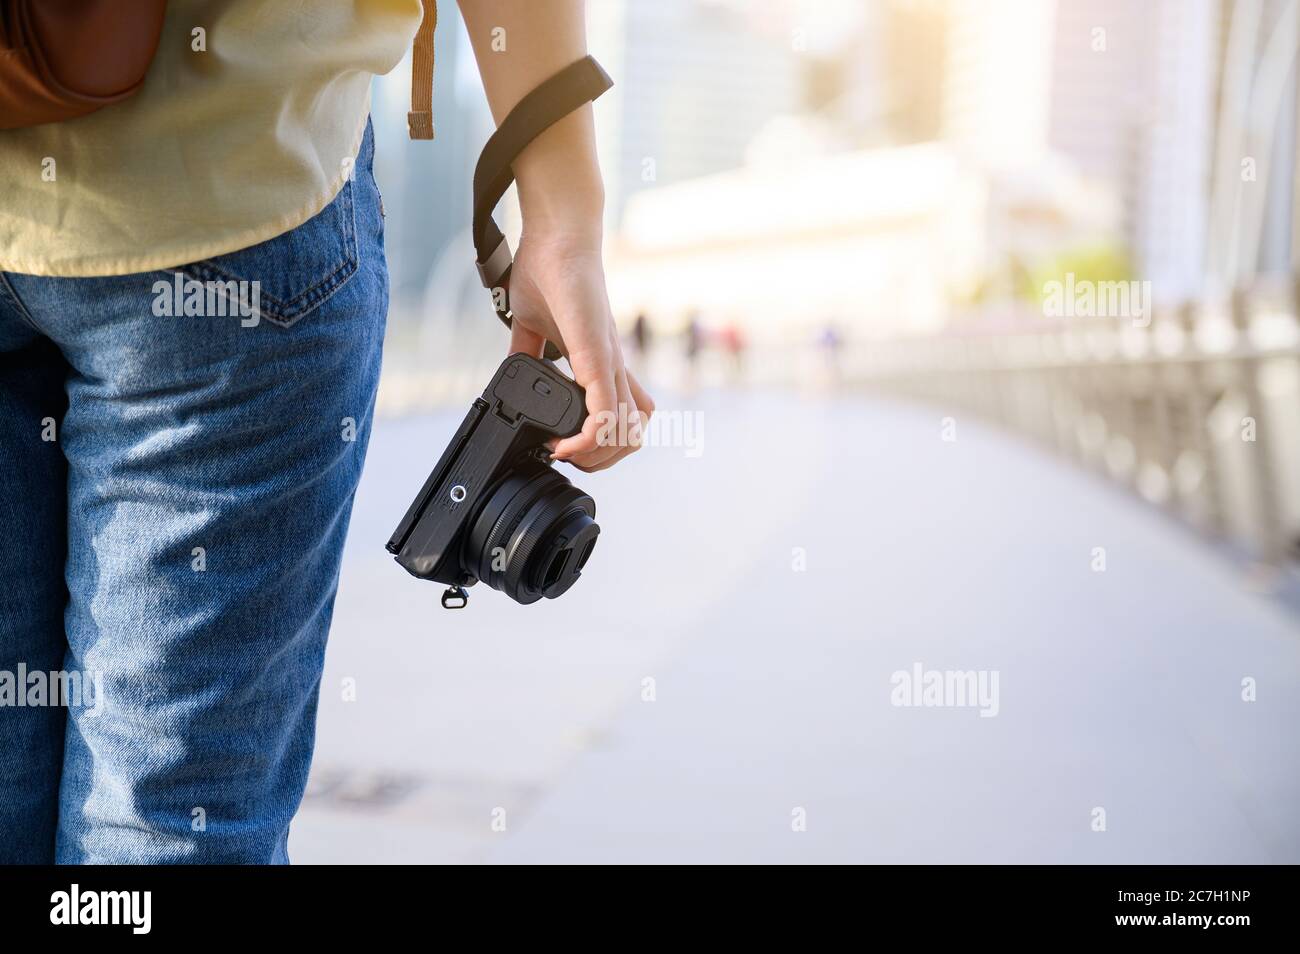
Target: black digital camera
x,y
494,508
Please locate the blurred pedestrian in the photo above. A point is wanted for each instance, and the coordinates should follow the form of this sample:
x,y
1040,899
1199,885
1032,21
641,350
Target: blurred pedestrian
x,y
829,342
732,340
641,334
693,342
694,337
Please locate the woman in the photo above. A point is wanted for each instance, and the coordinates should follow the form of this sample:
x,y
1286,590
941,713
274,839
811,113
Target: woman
x,y
179,469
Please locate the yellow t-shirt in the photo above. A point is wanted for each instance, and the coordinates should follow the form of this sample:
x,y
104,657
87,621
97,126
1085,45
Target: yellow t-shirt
x,y
244,129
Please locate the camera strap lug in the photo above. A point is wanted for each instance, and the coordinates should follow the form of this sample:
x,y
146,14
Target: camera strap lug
x,y
455,597
498,263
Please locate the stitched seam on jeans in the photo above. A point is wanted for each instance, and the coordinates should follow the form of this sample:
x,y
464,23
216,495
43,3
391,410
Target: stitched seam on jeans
x,y
306,301
289,312
23,313
310,300
319,293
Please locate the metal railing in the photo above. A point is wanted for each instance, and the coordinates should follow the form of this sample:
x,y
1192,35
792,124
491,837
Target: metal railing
x,y
1196,410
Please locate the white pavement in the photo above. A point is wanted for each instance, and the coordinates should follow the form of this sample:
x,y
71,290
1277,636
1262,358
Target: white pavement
x,y
1118,690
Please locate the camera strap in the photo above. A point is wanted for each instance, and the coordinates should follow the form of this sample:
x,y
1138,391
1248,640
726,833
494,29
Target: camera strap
x,y
573,87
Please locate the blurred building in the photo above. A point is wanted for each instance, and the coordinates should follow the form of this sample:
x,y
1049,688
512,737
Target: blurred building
x,y
871,238
1131,104
1121,122
1122,90
997,87
1168,195
696,82
1252,222
882,240
913,43
1162,101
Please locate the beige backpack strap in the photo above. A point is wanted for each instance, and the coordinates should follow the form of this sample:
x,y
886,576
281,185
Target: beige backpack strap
x,y
419,120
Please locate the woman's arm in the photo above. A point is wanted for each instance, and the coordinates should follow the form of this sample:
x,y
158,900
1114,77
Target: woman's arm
x,y
557,284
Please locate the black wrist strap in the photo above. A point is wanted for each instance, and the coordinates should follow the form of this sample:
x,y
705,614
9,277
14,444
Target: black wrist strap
x,y
574,86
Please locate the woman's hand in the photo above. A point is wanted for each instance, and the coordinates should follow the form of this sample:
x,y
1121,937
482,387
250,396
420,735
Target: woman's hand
x,y
557,282
557,294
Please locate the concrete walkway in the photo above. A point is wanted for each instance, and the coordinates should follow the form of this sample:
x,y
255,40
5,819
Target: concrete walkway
x,y
773,686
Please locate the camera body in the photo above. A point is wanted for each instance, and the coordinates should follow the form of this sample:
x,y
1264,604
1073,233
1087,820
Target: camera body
x,y
494,508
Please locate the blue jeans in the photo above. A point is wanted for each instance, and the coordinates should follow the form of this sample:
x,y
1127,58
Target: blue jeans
x,y
177,470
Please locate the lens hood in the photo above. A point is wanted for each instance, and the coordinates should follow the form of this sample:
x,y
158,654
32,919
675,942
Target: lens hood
x,y
532,536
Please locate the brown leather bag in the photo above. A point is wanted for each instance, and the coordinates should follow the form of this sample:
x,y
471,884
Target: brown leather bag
x,y
60,59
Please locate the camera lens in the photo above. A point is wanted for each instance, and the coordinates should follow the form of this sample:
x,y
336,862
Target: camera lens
x,y
533,535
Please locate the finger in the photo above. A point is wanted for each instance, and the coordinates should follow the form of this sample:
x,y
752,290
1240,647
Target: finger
x,y
595,372
618,444
629,405
595,460
629,416
644,402
523,341
623,437
628,437
606,449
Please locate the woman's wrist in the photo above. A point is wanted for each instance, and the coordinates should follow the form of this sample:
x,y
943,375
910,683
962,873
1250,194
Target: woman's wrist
x,y
559,178
563,210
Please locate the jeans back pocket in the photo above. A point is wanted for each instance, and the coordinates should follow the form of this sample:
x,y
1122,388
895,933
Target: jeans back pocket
x,y
297,271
